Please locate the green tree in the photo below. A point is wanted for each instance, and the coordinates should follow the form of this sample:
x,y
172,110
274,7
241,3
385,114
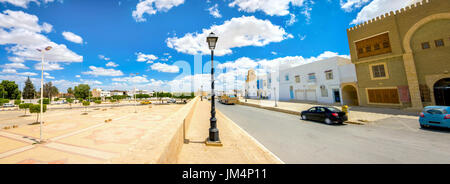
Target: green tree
x,y
69,91
3,101
36,108
98,101
70,101
50,90
17,102
25,106
85,104
46,101
82,91
9,90
29,90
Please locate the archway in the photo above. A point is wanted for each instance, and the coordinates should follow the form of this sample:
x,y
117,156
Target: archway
x,y
350,95
442,92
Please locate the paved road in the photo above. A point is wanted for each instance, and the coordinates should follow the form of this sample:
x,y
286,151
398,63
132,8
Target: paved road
x,y
393,140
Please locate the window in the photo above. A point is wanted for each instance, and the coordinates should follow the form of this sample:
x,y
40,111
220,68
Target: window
x,y
312,77
287,77
360,50
425,45
378,71
386,44
376,46
329,75
368,48
324,91
297,78
439,43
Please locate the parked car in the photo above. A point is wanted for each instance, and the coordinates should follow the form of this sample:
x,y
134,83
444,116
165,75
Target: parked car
x,y
329,115
8,105
172,101
229,100
438,116
146,102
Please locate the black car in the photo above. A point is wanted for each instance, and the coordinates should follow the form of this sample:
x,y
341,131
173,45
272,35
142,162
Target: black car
x,y
329,115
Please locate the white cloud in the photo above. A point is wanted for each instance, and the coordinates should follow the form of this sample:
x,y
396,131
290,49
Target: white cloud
x,y
291,20
24,3
102,57
72,37
214,11
13,71
149,58
151,7
48,66
270,7
22,35
91,82
350,5
162,67
135,79
15,65
78,76
16,59
379,7
237,32
99,71
111,64
274,53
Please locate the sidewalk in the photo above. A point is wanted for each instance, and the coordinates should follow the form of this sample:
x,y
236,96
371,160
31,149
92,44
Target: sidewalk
x,y
357,114
238,146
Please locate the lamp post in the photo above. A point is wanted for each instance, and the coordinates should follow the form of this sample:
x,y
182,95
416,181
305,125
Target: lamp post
x,y
42,89
213,131
201,96
135,102
275,95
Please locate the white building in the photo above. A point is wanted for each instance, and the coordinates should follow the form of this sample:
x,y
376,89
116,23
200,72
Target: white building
x,y
251,90
104,94
319,81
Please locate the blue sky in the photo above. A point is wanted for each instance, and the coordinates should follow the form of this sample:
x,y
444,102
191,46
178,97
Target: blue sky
x,y
102,42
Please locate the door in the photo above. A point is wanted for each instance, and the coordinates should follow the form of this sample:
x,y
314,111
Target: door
x,y
311,95
291,92
337,96
311,115
320,114
300,95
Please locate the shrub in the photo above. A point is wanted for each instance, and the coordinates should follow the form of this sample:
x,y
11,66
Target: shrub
x,y
98,102
25,106
46,101
17,102
3,101
36,108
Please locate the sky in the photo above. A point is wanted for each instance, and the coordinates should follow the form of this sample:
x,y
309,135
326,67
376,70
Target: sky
x,y
161,44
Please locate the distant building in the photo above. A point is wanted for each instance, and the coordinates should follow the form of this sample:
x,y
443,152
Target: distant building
x,y
96,92
402,57
320,81
251,90
118,93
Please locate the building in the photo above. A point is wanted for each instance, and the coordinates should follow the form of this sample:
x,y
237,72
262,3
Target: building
x,y
402,58
96,92
251,90
320,81
104,94
118,93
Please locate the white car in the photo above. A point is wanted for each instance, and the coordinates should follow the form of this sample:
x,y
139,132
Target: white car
x,y
8,105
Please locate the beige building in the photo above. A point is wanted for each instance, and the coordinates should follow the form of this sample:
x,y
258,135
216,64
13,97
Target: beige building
x,y
402,58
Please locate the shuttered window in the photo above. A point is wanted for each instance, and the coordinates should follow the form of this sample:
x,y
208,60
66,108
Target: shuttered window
x,y
388,96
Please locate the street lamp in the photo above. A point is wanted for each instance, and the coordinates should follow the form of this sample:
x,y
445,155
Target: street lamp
x,y
201,95
42,89
135,102
213,131
275,95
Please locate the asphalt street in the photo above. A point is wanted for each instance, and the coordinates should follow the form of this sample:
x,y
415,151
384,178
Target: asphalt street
x,y
389,141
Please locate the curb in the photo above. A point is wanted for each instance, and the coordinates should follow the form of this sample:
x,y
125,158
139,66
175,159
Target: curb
x,y
289,111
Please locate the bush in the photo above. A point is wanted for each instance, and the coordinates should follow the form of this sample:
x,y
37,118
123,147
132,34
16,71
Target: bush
x,y
86,103
112,101
98,102
3,101
17,102
25,106
46,101
36,108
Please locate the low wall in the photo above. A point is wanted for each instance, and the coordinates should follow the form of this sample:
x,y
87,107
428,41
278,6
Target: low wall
x,y
160,148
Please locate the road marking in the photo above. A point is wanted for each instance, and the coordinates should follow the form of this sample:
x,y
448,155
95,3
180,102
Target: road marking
x,y
12,152
81,151
76,132
16,137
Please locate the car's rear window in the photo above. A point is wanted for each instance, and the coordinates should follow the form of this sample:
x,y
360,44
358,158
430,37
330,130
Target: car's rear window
x,y
435,111
332,109
232,96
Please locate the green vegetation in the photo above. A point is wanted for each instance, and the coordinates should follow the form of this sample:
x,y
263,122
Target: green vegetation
x,y
85,104
98,101
17,102
46,101
50,90
70,101
82,91
36,108
29,90
9,90
25,106
3,101
119,97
